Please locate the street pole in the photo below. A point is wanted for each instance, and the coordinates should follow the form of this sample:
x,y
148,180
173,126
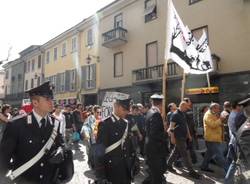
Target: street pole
x,y
183,85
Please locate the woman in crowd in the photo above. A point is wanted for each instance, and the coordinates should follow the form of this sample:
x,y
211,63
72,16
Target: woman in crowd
x,y
4,118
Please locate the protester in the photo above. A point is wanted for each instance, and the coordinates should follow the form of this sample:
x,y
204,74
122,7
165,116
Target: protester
x,y
77,118
70,124
59,116
213,135
4,118
179,134
227,107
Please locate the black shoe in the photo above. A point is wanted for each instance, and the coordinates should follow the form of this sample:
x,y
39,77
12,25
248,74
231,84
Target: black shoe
x,y
207,170
171,169
194,175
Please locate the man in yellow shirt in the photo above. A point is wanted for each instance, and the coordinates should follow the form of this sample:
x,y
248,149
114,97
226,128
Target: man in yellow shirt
x,y
213,135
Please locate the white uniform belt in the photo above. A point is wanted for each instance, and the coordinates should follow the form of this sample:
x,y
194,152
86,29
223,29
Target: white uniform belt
x,y
14,174
118,143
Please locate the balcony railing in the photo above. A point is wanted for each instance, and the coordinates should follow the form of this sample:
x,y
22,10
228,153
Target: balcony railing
x,y
154,73
114,37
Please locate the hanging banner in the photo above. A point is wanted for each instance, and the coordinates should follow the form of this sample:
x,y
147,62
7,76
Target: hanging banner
x,y
108,101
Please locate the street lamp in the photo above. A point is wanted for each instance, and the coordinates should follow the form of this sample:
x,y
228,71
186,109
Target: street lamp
x,y
88,59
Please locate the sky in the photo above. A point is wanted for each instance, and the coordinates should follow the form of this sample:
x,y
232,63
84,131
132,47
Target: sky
x,y
34,22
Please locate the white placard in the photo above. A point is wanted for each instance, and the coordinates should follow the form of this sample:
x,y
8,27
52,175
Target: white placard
x,y
108,101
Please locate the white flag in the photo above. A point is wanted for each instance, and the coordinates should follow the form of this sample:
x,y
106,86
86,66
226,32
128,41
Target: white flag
x,y
183,48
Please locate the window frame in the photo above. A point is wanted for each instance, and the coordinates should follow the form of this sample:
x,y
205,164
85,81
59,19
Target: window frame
x,y
200,28
55,51
90,37
157,50
32,65
74,44
150,16
115,74
115,20
64,49
39,62
47,57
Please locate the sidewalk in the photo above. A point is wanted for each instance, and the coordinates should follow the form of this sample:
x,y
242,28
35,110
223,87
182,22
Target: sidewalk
x,y
83,175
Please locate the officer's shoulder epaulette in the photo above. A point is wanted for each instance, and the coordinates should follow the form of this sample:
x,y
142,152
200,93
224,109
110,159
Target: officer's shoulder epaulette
x,y
20,116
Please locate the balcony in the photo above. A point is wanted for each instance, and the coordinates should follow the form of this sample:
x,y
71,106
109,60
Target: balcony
x,y
154,73
114,37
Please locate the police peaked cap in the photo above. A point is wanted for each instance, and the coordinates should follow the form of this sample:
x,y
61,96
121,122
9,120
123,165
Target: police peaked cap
x,y
157,97
44,90
245,102
124,102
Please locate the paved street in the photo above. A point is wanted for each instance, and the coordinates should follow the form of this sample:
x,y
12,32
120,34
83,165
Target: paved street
x,y
84,176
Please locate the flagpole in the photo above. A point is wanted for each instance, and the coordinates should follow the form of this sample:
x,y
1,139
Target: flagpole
x,y
208,80
183,85
164,88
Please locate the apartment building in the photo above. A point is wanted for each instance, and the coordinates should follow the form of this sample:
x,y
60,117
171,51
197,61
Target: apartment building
x,y
2,86
14,82
61,65
33,66
133,35
132,48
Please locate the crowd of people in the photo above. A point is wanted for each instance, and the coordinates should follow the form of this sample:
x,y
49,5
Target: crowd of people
x,y
132,131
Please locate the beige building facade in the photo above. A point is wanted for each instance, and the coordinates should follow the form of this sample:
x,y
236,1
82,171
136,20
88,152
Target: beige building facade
x,y
33,66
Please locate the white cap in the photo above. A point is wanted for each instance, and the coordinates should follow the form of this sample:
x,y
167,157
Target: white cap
x,y
157,96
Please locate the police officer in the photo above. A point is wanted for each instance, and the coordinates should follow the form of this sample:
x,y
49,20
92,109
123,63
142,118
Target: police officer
x,y
25,137
114,134
155,142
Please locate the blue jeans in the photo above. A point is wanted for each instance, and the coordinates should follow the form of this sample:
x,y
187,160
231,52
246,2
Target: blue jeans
x,y
229,178
214,150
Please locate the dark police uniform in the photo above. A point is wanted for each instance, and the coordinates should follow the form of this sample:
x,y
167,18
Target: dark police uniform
x,y
117,164
155,146
22,140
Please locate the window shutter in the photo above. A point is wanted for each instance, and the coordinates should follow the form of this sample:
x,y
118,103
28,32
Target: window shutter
x,y
94,76
75,79
58,83
83,77
67,80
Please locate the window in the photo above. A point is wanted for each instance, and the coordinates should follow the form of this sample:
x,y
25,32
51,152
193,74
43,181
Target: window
x,y
55,53
193,1
62,86
39,64
33,65
74,44
118,21
89,76
26,84
28,66
7,74
32,83
199,31
25,65
64,49
19,82
90,37
150,10
38,81
13,78
118,64
72,80
47,57
151,54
